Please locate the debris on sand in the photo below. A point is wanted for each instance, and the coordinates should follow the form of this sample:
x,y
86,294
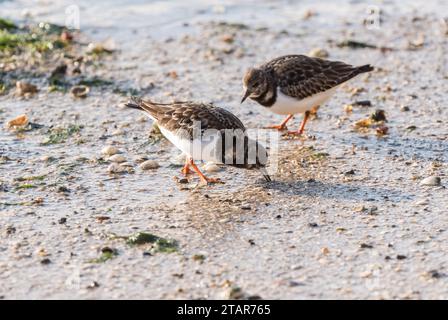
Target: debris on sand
x,y
309,14
431,181
236,293
382,130
20,121
116,168
378,116
319,53
99,49
348,108
228,38
354,44
149,165
211,167
417,43
106,254
199,257
363,103
375,121
6,24
157,243
80,91
58,73
117,158
61,134
25,89
109,150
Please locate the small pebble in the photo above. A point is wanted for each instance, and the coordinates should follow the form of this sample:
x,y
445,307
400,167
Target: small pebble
x,y
149,165
93,285
211,167
363,103
46,158
25,88
142,119
80,91
118,158
117,132
126,164
422,203
404,108
140,159
318,53
178,160
116,168
431,181
109,150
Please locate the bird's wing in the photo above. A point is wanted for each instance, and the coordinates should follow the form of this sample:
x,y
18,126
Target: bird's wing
x,y
299,76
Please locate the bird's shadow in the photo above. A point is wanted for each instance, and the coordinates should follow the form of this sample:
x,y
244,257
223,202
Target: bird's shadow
x,y
320,189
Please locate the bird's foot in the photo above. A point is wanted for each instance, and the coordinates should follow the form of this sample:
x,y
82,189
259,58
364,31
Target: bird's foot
x,y
186,170
294,133
279,127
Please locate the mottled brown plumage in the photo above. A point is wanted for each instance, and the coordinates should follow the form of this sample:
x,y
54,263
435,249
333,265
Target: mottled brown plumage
x,y
182,115
299,76
296,84
180,121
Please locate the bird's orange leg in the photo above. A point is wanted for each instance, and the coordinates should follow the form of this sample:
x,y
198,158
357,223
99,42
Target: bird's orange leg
x,y
186,169
302,125
203,178
313,112
281,126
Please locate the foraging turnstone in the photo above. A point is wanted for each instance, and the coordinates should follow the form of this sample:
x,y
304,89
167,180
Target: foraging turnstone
x,y
296,84
205,132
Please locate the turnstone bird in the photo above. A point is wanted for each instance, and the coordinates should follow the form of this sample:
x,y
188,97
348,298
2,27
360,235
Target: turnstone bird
x,y
205,132
296,84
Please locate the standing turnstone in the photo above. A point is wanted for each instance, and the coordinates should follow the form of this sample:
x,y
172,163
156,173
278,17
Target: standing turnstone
x,y
296,84
205,132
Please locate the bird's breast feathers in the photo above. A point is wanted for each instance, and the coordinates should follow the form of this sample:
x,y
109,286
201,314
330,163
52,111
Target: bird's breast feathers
x,y
288,105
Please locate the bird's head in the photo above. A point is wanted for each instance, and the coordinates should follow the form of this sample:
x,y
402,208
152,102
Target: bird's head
x,y
261,160
255,83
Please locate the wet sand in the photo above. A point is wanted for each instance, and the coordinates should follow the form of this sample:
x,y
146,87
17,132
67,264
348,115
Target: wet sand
x,y
345,218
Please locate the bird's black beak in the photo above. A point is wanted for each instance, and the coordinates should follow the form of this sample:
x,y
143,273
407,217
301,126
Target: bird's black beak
x,y
265,174
246,94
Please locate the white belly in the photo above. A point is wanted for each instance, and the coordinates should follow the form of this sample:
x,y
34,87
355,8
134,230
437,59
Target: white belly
x,y
287,105
206,149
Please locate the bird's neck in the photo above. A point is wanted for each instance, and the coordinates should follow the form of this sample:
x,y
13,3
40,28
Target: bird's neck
x,y
268,97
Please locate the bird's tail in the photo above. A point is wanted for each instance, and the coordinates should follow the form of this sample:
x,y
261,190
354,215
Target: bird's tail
x,y
135,103
154,110
364,68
